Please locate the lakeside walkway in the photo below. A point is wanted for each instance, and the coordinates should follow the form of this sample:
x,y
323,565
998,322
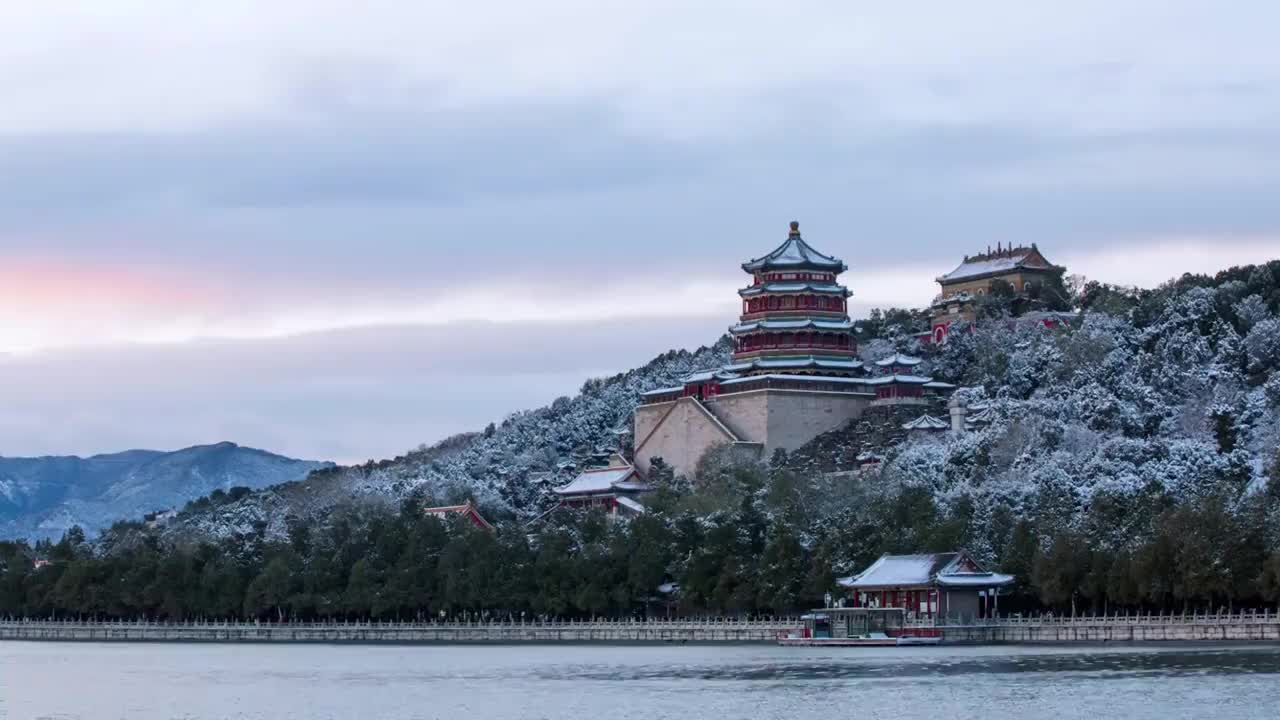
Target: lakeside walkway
x,y
598,631
1243,626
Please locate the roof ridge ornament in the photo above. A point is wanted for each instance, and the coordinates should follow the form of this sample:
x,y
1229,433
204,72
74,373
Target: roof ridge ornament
x,y
795,227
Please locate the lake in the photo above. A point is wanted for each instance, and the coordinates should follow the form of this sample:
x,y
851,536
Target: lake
x,y
69,681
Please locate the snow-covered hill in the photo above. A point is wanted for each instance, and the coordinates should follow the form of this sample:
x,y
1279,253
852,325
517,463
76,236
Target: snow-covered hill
x,y
508,468
1150,398
44,496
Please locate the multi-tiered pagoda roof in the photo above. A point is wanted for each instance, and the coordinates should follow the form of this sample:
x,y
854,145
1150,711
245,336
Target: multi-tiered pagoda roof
x,y
795,254
795,333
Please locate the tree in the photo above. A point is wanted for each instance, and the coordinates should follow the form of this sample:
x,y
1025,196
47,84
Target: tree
x,y
270,590
782,570
1061,571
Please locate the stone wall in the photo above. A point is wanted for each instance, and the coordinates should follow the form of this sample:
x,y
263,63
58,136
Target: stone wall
x,y
1018,280
796,417
746,414
679,432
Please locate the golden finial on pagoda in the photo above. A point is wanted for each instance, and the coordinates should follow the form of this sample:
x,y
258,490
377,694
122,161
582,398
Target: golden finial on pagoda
x,y
795,227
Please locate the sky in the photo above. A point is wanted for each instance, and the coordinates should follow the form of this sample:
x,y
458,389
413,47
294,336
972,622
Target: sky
x,y
337,230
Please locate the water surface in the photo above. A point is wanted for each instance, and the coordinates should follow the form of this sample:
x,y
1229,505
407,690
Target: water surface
x,y
74,681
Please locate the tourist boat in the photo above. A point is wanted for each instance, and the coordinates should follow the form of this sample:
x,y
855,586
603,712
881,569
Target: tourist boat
x,y
853,627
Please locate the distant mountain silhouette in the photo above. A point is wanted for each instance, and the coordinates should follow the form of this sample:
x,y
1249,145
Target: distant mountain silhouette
x,y
42,497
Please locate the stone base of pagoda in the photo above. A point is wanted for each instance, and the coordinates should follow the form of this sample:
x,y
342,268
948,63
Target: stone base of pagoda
x,y
754,416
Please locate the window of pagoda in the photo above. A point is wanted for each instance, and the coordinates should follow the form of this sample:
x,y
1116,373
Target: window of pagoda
x,y
795,277
899,391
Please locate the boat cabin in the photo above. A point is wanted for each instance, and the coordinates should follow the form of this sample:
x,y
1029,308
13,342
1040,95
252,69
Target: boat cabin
x,y
844,623
846,626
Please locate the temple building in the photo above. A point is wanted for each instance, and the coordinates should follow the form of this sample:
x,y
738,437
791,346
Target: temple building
x,y
794,373
616,488
467,510
949,584
1020,267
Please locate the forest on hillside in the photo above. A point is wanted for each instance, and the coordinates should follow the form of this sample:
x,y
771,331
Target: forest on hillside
x,y
1133,464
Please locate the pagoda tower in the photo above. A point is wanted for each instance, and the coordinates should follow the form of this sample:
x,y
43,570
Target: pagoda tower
x,y
794,374
795,314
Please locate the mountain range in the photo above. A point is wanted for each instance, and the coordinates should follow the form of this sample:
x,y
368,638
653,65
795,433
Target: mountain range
x,y
42,497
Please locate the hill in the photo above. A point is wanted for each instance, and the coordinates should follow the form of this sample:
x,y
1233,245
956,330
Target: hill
x,y
508,468
43,497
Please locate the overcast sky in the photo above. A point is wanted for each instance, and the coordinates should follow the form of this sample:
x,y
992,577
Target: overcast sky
x,y
340,229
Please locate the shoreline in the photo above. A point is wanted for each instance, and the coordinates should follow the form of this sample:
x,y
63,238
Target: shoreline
x,y
1243,629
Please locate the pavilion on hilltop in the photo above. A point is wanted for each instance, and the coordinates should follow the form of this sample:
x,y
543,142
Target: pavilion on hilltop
x,y
1020,267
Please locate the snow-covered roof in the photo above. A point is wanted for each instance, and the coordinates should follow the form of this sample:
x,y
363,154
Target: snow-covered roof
x,y
1041,315
808,361
663,391
707,375
794,253
631,505
899,570
1002,261
926,422
899,359
982,579
796,324
597,480
795,287
903,378
953,569
467,508
799,378
986,416
833,364
939,385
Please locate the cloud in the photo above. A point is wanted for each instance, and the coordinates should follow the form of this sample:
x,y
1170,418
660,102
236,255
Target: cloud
x,y
346,395
123,64
265,175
